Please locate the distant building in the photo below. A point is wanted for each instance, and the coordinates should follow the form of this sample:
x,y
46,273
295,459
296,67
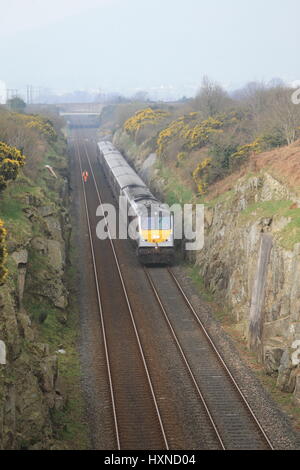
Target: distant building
x,y
2,92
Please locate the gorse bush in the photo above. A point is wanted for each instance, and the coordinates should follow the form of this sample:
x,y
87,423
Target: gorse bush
x,y
43,126
11,159
145,117
201,175
194,132
199,135
33,134
17,128
259,145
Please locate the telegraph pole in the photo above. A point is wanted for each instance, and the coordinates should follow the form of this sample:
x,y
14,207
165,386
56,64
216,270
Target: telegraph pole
x,y
28,94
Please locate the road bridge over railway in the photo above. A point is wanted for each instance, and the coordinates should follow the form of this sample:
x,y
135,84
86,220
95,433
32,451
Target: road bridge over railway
x,y
81,119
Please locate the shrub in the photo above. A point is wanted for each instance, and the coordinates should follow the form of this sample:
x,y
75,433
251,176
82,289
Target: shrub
x,y
261,144
145,117
11,159
199,135
43,126
194,132
175,130
181,156
201,175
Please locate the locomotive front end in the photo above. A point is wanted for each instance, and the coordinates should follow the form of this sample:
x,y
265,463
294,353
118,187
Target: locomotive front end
x,y
156,240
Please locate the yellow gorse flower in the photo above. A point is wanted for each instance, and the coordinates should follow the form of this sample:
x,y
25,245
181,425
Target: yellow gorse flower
x,y
11,159
194,132
199,175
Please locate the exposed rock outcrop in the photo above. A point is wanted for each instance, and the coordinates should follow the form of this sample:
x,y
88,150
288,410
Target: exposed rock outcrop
x,y
28,378
261,286
31,388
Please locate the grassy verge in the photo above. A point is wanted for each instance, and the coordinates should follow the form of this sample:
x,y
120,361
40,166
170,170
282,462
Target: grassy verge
x,y
219,312
174,191
290,234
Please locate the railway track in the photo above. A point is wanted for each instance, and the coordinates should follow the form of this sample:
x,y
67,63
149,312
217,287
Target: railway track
x,y
137,418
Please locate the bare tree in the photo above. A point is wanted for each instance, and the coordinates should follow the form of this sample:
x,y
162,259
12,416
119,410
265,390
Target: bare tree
x,y
253,97
283,113
211,99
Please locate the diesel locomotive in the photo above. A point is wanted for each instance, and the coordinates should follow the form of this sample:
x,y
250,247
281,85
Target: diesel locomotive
x,y
154,233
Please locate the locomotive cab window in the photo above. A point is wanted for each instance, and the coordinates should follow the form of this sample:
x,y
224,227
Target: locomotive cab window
x,y
156,223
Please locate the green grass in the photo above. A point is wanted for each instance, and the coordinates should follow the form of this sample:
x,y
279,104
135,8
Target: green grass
x,y
268,209
225,198
290,235
16,223
56,154
11,209
285,400
218,310
193,272
175,192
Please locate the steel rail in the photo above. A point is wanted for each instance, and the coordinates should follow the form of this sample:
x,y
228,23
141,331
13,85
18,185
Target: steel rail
x,y
129,308
221,360
185,360
100,305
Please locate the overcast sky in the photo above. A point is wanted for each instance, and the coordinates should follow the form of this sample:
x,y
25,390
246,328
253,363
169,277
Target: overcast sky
x,y
130,44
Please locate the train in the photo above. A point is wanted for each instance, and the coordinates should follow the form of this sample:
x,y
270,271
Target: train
x,y
154,233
